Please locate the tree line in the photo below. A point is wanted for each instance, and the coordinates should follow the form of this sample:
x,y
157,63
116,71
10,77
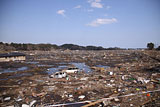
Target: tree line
x,y
48,47
44,47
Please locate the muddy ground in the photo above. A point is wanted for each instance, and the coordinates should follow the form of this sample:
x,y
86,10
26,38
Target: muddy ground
x,y
125,77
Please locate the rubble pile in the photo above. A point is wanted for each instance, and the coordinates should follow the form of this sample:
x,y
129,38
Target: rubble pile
x,y
115,78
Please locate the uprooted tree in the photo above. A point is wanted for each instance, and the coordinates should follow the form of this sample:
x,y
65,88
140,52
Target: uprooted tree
x,y
150,46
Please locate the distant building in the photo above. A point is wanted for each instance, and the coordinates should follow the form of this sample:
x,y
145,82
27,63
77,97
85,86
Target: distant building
x,y
14,56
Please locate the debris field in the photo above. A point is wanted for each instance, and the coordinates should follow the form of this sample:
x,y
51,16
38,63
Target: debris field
x,y
112,78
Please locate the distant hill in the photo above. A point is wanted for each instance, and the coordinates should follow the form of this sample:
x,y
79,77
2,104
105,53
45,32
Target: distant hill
x,y
47,47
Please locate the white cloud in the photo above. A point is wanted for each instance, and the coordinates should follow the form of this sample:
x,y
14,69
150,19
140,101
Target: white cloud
x,y
78,6
61,12
90,1
99,22
95,3
97,0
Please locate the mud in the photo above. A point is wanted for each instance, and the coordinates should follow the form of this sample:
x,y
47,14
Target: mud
x,y
103,74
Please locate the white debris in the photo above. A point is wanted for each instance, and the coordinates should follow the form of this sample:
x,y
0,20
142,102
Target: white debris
x,y
7,98
116,99
84,79
19,99
70,95
110,73
131,104
32,103
119,89
143,80
81,97
25,105
112,81
109,85
146,81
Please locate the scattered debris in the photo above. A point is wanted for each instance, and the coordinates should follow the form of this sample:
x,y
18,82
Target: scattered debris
x,y
65,77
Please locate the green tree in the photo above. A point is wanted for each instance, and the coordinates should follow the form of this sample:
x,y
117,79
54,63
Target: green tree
x,y
150,46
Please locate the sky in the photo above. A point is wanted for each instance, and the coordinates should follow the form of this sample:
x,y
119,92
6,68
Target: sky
x,y
107,23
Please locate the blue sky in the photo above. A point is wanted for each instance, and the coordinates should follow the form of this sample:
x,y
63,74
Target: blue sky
x,y
107,23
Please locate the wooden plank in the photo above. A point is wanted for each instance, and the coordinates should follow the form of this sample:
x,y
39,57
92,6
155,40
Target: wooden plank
x,y
92,103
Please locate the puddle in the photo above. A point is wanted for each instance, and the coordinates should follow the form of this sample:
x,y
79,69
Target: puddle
x,y
102,66
20,75
62,63
22,68
62,66
82,67
42,65
13,70
7,71
34,62
53,70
